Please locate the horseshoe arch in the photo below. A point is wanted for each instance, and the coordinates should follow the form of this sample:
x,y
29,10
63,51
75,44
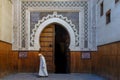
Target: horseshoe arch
x,y
41,26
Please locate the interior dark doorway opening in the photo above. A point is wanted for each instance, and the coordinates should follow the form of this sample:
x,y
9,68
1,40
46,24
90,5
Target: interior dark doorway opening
x,y
62,52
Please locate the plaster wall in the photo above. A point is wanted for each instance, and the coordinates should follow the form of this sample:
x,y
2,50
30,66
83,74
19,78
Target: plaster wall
x,y
6,20
108,33
0,16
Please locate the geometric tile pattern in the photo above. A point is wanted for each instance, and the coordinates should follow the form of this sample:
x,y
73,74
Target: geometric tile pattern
x,y
70,18
55,15
73,16
52,4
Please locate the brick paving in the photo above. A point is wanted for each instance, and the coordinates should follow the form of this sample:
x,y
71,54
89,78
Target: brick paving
x,y
34,76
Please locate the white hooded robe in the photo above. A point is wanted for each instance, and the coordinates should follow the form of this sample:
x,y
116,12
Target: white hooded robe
x,y
42,68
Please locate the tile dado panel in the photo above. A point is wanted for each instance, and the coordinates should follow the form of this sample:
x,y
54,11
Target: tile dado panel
x,y
29,13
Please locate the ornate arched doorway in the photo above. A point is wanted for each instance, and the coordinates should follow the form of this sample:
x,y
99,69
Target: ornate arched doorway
x,y
55,41
40,26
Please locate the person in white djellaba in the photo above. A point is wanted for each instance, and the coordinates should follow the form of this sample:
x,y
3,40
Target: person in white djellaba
x,y
42,67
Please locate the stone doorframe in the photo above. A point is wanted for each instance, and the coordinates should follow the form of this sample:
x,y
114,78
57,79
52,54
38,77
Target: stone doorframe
x,y
59,21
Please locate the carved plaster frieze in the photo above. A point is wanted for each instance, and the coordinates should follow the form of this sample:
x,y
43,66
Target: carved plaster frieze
x,y
55,15
22,37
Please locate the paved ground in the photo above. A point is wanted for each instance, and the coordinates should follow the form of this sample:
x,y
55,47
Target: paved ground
x,y
33,76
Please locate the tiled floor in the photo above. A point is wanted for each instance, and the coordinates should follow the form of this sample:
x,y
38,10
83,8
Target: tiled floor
x,y
33,76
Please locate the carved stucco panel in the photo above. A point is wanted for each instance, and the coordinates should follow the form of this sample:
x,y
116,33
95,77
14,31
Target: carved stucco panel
x,y
21,30
57,18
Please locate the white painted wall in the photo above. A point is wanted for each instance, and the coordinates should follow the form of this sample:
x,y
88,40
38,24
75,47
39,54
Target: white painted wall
x,y
108,33
0,16
6,20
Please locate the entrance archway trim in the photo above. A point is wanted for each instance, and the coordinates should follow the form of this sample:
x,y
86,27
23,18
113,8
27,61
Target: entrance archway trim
x,y
59,21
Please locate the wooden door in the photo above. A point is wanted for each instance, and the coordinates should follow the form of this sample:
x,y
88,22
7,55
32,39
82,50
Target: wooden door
x,y
47,46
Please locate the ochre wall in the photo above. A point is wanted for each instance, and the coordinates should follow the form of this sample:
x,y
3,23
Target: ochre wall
x,y
105,62
11,63
7,59
6,20
79,65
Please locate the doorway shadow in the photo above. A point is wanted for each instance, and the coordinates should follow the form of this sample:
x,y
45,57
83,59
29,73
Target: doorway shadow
x,y
61,55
